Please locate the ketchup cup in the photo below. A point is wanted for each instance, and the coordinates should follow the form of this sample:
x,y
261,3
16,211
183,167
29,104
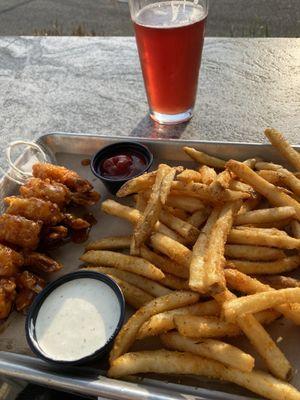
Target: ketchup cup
x,y
117,163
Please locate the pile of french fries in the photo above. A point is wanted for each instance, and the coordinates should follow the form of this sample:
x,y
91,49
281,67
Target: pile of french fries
x,y
204,263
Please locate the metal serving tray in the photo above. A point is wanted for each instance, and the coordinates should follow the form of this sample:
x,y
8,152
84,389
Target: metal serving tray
x,y
16,361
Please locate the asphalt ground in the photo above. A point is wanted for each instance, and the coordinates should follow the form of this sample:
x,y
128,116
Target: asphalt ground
x,y
237,18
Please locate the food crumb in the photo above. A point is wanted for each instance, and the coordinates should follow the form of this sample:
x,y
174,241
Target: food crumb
x,y
85,162
279,339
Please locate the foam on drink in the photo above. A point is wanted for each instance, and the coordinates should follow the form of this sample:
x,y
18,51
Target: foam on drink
x,y
169,14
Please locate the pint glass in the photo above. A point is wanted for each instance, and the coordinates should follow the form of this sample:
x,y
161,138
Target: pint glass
x,y
169,36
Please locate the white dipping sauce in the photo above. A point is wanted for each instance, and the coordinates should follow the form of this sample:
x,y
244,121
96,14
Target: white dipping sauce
x,y
77,319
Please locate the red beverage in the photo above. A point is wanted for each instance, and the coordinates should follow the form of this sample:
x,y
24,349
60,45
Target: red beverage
x,y
170,39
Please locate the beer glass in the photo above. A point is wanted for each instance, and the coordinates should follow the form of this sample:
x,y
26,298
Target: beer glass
x,y
169,36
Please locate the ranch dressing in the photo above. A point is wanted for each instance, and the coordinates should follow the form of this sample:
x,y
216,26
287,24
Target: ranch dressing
x,y
77,319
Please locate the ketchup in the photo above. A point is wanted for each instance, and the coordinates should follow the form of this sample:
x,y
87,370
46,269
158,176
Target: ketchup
x,y
121,166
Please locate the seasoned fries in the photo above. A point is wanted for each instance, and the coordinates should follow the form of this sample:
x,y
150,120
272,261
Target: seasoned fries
x,y
262,216
197,234
110,243
203,158
214,279
129,331
149,217
171,248
280,266
258,302
253,253
137,184
183,228
271,192
132,215
134,296
123,261
208,174
278,141
246,284
263,237
197,271
173,362
209,348
147,285
164,263
204,327
164,322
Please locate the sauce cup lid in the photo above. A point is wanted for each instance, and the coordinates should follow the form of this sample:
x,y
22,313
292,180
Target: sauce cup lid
x,y
113,185
41,297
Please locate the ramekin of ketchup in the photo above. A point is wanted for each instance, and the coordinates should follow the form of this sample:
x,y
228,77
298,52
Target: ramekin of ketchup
x,y
117,163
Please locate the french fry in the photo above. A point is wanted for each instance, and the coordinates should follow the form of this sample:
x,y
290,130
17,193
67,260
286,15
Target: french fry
x,y
124,262
258,302
183,228
199,217
197,279
164,263
252,327
147,285
296,229
190,175
212,349
204,192
279,281
262,237
290,180
173,362
271,192
138,184
119,210
204,158
204,327
128,332
240,187
267,166
241,282
274,358
177,212
214,280
173,282
270,176
164,230
167,183
250,204
134,296
253,253
140,202
194,326
284,148
282,265
208,174
132,215
221,182
268,215
277,224
174,250
110,243
164,322
250,162
148,219
189,204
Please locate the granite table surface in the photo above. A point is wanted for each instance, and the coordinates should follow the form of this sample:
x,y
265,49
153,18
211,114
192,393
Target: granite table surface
x,y
94,85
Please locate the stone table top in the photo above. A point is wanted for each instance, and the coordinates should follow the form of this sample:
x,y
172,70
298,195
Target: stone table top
x,y
94,85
